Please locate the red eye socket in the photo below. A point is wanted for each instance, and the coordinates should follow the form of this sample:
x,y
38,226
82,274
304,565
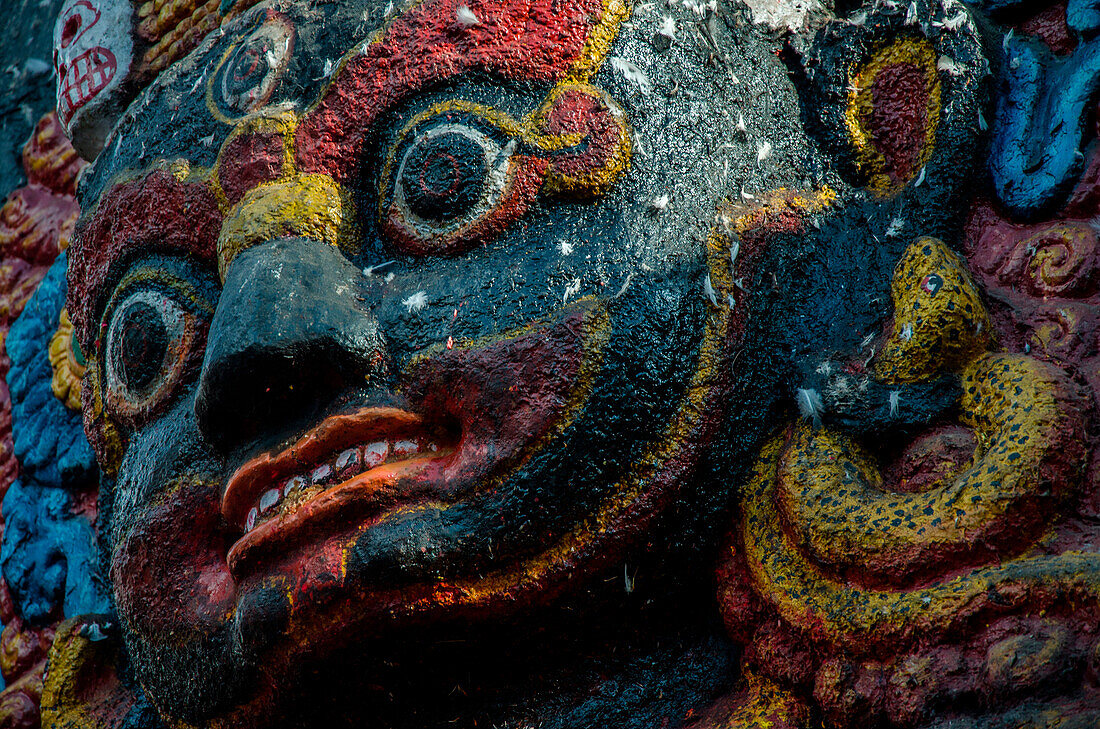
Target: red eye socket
x,y
76,21
149,340
72,25
453,185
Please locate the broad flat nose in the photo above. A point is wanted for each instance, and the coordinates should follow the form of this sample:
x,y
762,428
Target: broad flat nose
x,y
292,331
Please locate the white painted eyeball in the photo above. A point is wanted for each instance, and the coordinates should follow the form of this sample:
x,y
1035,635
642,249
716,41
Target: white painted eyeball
x,y
149,335
456,177
449,177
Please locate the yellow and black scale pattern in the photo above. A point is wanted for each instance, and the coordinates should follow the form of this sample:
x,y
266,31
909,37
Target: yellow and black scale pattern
x,y
817,514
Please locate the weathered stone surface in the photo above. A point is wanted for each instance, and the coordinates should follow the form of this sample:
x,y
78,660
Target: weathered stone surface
x,y
558,364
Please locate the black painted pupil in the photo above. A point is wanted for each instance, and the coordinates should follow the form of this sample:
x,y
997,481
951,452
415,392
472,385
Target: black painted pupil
x,y
144,343
248,67
443,176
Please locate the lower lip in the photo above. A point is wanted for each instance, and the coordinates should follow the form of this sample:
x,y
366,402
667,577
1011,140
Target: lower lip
x,y
354,503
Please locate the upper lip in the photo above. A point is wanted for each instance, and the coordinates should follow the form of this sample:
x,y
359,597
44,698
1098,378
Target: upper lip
x,y
319,445
471,414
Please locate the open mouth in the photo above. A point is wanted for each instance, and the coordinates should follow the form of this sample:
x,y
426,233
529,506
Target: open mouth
x,y
484,409
354,459
87,75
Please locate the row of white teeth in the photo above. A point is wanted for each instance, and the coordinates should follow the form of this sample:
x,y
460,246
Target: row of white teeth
x,y
347,464
85,85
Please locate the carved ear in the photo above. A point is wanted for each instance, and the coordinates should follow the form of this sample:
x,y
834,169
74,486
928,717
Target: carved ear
x,y
894,94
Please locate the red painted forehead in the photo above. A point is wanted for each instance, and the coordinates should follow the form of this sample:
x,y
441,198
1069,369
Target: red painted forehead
x,y
536,41
540,41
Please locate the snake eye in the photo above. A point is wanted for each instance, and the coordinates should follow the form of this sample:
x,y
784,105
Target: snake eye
x,y
247,75
932,283
148,338
450,183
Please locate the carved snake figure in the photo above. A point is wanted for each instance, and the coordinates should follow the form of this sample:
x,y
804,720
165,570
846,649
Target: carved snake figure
x,y
817,498
865,566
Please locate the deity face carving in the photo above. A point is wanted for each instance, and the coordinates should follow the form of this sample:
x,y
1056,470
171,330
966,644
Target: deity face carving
x,y
93,51
417,314
400,315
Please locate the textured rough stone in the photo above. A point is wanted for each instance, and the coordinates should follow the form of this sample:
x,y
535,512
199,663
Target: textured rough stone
x,y
576,364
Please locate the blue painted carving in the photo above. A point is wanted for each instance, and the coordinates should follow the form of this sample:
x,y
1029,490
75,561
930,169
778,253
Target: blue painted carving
x,y
48,555
49,438
1036,156
1081,15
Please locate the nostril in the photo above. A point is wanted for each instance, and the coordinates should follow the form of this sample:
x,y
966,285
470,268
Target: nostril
x,y
288,339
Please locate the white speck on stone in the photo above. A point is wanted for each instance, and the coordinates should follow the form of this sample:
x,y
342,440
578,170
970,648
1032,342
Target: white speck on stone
x,y
416,302
198,81
659,203
763,151
785,14
948,65
896,226
911,14
741,127
571,290
700,8
625,286
708,290
895,400
566,247
810,405
667,27
632,73
208,141
920,178
955,22
466,16
907,332
369,270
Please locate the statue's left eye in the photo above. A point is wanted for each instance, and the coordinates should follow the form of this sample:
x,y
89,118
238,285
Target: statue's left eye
x,y
148,338
445,183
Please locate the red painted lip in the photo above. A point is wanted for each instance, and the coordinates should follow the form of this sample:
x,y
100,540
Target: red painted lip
x,y
470,408
371,490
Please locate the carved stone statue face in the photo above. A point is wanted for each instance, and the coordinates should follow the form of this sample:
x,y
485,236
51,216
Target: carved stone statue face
x,y
406,313
93,51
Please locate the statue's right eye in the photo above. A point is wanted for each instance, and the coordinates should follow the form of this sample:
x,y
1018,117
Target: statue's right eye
x,y
149,336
